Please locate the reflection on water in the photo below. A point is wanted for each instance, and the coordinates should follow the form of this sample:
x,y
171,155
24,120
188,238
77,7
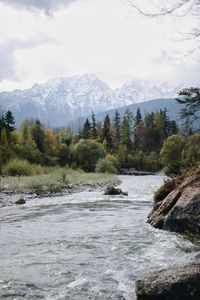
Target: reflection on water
x,y
84,246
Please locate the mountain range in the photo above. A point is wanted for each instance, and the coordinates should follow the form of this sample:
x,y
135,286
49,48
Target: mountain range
x,y
62,100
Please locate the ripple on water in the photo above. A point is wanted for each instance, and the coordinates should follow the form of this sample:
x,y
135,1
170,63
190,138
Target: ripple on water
x,y
85,246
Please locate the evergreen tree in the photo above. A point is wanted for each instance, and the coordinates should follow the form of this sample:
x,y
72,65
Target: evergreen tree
x,y
94,126
9,122
138,131
107,134
99,132
173,128
86,130
149,132
126,130
190,98
138,117
117,126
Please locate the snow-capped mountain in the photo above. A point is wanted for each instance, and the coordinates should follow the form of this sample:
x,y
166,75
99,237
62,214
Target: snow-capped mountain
x,y
61,100
139,91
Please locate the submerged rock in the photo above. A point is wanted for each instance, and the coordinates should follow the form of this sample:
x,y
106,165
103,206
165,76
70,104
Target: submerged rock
x,y
114,191
175,283
20,201
180,210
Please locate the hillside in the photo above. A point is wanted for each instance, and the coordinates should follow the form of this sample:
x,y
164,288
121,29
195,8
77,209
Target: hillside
x,y
172,106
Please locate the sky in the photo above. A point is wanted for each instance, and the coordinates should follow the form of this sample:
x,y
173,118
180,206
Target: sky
x,y
44,39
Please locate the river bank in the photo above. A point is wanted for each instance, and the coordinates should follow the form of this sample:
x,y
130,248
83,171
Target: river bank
x,y
57,182
179,212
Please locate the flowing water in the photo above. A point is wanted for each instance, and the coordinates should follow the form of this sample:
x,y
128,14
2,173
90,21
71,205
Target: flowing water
x,y
84,246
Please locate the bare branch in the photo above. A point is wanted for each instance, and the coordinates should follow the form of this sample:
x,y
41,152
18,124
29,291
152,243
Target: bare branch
x,y
163,11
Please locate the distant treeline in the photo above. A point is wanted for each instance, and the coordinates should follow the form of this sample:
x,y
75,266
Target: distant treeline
x,y
144,143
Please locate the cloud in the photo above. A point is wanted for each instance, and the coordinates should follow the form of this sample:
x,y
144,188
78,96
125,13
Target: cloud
x,y
8,48
47,6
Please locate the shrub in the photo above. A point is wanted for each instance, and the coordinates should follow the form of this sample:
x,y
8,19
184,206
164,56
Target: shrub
x,y
63,155
191,151
18,167
106,166
5,155
171,155
152,162
172,149
113,159
30,153
86,153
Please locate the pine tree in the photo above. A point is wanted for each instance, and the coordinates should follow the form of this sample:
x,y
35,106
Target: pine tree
x,y
139,133
149,132
99,132
9,122
126,130
94,126
86,130
190,98
138,117
107,133
117,126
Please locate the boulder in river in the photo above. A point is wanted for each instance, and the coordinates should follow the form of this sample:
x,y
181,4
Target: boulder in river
x,y
114,191
20,201
175,283
180,210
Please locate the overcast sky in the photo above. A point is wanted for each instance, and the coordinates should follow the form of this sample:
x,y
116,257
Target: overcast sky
x,y
50,38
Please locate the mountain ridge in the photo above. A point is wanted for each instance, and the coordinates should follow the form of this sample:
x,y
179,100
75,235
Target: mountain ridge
x,y
62,99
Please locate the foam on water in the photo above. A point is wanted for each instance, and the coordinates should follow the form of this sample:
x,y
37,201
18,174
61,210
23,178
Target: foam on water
x,y
85,246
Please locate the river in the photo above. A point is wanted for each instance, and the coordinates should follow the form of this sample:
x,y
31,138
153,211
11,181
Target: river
x,y
84,246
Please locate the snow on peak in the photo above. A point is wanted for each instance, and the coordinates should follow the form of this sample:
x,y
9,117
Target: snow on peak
x,y
61,99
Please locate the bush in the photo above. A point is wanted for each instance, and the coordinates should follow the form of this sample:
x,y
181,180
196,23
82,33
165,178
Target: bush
x,y
86,153
113,159
30,153
106,166
144,162
152,162
191,151
5,155
63,155
18,167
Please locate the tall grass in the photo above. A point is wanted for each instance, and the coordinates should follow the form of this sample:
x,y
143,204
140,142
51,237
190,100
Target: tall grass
x,y
51,179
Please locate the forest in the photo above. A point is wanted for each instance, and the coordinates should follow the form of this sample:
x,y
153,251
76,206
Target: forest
x,y
147,143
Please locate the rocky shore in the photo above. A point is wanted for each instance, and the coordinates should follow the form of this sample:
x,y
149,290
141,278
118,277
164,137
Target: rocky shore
x,y
9,197
175,283
179,212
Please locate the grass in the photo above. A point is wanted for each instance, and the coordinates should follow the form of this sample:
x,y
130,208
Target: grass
x,y
52,179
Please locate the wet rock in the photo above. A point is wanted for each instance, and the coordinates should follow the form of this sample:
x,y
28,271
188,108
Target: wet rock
x,y
180,210
20,201
175,283
114,191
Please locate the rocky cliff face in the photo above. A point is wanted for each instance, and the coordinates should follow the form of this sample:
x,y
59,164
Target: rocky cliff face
x,y
180,210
